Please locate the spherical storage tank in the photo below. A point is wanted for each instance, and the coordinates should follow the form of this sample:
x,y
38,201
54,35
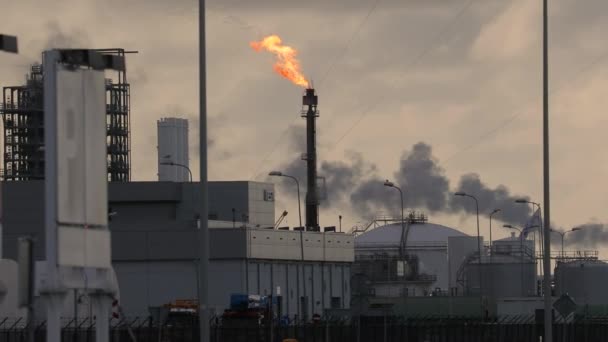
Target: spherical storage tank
x,y
584,280
427,241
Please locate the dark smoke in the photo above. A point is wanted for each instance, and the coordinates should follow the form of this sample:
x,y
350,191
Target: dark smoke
x,y
590,235
489,199
342,177
421,179
419,175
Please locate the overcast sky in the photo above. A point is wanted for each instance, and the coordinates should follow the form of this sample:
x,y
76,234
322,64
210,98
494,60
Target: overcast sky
x,y
461,76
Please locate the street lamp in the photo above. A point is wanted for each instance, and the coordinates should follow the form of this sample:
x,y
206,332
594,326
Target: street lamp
x,y
495,211
280,174
464,194
562,234
390,184
540,230
179,165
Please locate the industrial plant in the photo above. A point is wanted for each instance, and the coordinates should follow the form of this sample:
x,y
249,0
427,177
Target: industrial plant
x,y
88,252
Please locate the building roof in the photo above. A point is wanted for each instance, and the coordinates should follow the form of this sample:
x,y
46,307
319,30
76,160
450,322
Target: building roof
x,y
420,233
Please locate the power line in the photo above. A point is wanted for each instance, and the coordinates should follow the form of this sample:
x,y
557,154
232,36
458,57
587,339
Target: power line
x,y
517,114
415,61
350,41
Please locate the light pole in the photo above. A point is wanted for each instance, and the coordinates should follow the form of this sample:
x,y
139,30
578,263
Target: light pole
x,y
203,290
546,184
280,174
562,234
179,165
403,242
464,194
495,211
540,230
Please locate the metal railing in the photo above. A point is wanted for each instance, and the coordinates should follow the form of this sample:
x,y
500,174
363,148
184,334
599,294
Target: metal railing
x,y
369,329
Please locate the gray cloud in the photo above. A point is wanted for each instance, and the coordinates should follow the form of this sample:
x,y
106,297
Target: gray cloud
x,y
489,199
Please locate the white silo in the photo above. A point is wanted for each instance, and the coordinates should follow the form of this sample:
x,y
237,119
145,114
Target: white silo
x,y
173,157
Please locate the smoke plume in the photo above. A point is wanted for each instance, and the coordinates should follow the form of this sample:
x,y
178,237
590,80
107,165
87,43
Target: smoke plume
x,y
489,199
421,178
589,235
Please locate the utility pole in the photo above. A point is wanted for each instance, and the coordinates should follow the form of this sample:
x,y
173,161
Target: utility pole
x,y
547,200
203,232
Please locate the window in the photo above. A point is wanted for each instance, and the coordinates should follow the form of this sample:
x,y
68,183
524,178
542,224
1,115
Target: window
x,y
336,303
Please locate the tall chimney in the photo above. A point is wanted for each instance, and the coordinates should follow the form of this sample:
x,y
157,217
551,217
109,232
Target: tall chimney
x,y
309,111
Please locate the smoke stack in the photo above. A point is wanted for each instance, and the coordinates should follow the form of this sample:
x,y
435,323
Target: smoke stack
x,y
309,111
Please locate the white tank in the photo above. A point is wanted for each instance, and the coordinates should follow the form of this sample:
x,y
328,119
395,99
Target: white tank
x,y
173,155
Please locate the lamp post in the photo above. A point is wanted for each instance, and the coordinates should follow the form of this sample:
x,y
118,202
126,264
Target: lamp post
x,y
536,206
179,165
495,211
562,234
280,174
204,203
403,242
464,194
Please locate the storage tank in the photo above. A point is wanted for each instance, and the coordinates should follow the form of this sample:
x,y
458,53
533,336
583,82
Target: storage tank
x,y
427,246
502,276
584,280
173,155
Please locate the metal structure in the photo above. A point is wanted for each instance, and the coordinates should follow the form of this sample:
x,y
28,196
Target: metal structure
x,y
118,115
23,120
22,114
310,112
382,220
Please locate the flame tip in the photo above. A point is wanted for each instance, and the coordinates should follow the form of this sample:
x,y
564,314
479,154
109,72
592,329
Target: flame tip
x,y
287,65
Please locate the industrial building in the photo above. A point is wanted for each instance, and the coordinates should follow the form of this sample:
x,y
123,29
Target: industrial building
x,y
173,154
154,246
23,126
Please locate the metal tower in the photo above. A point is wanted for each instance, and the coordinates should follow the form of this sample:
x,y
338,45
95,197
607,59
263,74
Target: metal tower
x,y
309,111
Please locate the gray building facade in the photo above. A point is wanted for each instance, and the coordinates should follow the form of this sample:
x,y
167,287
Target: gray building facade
x,y
155,239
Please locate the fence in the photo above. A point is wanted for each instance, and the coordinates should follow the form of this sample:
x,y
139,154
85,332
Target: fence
x,y
515,329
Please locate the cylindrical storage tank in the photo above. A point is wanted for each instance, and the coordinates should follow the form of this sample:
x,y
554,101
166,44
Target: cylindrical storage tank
x,y
173,157
502,276
583,280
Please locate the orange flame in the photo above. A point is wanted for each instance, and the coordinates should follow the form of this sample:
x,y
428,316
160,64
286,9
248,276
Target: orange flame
x,y
287,64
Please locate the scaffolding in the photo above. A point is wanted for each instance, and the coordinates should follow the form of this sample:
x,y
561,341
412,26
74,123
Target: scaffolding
x,y
118,117
23,119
